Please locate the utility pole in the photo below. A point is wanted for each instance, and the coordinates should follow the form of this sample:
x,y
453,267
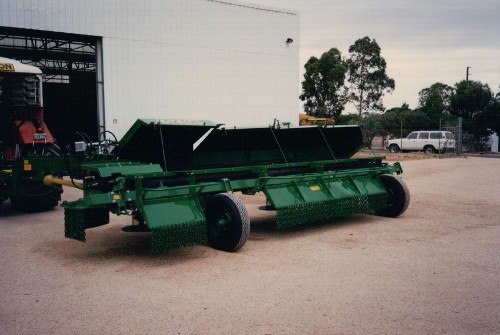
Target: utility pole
x,y
401,137
439,140
459,146
467,74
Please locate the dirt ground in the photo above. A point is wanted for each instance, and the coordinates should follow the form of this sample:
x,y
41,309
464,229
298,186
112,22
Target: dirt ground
x,y
434,270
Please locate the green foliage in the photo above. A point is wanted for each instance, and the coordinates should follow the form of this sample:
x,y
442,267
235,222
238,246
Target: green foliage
x,y
349,119
435,100
390,123
367,78
404,116
490,118
372,124
325,95
492,114
470,99
470,102
322,88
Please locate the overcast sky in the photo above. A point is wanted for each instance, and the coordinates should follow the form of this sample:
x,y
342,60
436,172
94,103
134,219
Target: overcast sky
x,y
423,41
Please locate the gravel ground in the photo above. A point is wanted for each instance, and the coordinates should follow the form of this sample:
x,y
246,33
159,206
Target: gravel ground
x,y
434,270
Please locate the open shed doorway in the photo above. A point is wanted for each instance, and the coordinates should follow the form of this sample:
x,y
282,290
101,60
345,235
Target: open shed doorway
x,y
70,64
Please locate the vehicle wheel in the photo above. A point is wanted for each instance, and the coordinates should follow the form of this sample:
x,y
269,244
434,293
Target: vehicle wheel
x,y
228,225
45,199
40,197
398,196
393,148
429,150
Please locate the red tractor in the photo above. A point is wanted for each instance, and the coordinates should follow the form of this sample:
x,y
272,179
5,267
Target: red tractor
x,y
23,135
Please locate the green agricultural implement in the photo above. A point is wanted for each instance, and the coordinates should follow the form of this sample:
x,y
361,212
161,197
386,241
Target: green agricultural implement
x,y
176,179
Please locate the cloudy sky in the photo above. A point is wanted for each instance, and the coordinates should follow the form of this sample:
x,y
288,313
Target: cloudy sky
x,y
423,41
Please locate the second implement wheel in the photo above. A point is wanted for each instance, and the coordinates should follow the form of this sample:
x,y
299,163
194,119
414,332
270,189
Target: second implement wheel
x,y
228,225
398,196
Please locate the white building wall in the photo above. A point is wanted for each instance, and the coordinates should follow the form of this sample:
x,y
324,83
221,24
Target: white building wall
x,y
225,61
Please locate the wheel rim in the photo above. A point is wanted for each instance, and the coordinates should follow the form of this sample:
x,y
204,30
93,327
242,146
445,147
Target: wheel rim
x,y
220,221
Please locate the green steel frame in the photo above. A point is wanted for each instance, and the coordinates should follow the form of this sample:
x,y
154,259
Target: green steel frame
x,y
166,175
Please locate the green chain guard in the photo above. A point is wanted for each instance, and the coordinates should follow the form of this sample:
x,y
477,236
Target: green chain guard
x,y
289,216
77,218
74,230
179,235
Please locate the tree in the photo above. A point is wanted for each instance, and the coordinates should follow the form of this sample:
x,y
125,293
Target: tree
x,y
491,117
435,100
322,88
388,123
366,75
371,125
400,121
351,119
492,114
470,99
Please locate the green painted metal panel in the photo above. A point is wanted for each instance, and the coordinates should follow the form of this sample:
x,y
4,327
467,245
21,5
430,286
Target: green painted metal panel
x,y
324,198
108,169
174,221
162,212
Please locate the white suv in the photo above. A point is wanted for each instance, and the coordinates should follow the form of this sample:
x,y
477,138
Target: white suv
x,y
428,141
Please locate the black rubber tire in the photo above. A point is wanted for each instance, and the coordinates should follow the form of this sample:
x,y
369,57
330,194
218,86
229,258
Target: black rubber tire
x,y
234,234
398,196
42,198
394,148
46,199
429,149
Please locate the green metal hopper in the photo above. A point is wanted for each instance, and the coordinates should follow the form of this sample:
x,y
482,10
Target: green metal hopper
x,y
175,146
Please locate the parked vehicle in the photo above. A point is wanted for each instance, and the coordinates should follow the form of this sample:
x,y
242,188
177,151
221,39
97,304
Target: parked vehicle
x,y
424,140
24,135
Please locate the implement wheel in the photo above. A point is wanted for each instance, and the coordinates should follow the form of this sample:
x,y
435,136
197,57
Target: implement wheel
x,y
398,196
228,225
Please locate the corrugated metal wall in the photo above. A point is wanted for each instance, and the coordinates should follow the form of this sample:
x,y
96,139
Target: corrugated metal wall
x,y
226,61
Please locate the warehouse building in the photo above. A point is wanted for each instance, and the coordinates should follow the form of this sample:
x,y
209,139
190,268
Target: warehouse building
x,y
107,63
